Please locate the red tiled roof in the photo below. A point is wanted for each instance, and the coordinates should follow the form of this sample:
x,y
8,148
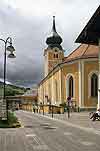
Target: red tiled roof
x,y
83,51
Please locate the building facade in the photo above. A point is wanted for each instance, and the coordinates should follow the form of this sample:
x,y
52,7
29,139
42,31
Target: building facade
x,y
75,75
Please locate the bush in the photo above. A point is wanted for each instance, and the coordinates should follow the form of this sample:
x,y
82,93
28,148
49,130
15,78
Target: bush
x,y
11,123
12,118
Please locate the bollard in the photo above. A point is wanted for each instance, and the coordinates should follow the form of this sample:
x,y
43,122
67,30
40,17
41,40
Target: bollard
x,y
78,109
68,110
52,111
43,109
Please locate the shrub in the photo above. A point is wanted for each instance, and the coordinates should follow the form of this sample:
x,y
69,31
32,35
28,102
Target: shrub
x,y
12,117
12,121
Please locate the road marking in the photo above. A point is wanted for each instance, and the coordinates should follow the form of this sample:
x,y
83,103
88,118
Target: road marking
x,y
67,133
30,135
45,124
86,143
36,143
36,140
41,147
49,127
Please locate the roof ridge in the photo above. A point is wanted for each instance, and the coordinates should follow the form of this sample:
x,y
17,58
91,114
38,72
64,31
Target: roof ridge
x,y
85,50
73,51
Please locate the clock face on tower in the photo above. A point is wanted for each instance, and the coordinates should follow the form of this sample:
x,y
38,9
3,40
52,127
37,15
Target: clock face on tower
x,y
55,49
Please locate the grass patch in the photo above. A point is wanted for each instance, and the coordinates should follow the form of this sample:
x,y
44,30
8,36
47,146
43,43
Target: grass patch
x,y
12,121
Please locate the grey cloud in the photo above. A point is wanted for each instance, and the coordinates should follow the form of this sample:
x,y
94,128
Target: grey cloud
x,y
29,34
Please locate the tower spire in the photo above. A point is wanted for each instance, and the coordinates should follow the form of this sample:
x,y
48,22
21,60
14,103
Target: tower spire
x,y
54,40
54,27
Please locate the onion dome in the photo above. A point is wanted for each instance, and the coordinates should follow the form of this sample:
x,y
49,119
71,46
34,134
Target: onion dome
x,y
55,39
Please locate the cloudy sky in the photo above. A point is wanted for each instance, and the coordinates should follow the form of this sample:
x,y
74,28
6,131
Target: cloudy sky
x,y
29,23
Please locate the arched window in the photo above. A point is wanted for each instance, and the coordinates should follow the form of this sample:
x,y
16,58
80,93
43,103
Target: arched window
x,y
56,55
71,86
94,85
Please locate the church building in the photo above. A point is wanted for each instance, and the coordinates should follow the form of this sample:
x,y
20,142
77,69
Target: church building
x,y
75,75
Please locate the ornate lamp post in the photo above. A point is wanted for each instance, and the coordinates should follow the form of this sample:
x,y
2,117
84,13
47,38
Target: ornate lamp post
x,y
11,49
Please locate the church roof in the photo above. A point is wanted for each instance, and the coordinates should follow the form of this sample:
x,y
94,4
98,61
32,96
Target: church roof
x,y
91,33
83,51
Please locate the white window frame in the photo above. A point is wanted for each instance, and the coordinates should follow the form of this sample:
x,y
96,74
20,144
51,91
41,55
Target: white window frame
x,y
67,85
89,81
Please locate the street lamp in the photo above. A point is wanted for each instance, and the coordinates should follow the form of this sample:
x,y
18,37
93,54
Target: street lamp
x,y
11,49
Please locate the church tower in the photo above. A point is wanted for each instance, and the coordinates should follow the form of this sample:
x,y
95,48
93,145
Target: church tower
x,y
54,53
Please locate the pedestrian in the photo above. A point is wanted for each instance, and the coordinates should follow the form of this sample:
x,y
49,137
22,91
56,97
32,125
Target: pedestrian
x,y
69,101
34,108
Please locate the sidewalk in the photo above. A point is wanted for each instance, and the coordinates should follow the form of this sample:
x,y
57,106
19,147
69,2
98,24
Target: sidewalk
x,y
81,119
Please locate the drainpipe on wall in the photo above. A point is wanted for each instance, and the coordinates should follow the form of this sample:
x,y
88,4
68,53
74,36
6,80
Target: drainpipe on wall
x,y
80,85
99,76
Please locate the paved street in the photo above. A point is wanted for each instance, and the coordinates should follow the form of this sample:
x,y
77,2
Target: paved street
x,y
78,119
40,133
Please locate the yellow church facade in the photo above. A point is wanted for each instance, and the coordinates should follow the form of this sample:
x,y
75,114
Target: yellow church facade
x,y
75,75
